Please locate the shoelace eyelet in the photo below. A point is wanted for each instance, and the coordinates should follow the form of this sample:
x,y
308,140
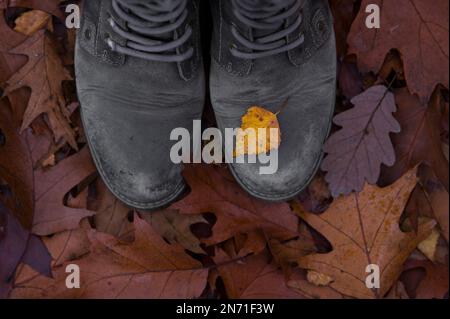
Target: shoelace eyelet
x,y
111,44
88,34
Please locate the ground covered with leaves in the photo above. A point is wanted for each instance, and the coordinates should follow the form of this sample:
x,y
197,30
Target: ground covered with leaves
x,y
381,197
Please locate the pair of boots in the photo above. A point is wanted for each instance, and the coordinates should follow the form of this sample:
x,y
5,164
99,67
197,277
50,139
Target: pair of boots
x,y
140,75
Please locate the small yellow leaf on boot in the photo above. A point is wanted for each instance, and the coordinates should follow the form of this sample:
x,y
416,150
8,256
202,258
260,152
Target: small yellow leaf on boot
x,y
259,133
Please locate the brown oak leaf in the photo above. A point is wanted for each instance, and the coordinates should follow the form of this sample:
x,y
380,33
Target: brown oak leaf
x,y
36,196
16,168
364,230
112,216
429,199
434,285
214,190
253,278
10,38
344,14
44,74
50,6
176,228
419,31
356,152
145,269
420,139
17,246
51,186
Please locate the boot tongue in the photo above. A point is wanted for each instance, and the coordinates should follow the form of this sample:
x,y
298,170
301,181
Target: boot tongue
x,y
151,7
276,6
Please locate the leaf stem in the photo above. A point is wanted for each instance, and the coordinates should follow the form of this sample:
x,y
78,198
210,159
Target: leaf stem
x,y
283,106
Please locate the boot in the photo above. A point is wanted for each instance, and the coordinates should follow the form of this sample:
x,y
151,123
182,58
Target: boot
x,y
139,74
267,52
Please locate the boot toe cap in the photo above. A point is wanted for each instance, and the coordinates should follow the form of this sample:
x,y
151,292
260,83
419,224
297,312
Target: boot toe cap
x,y
133,160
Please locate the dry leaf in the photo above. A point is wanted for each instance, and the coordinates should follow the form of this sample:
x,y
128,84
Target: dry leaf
x,y
68,246
420,139
17,246
344,14
10,39
253,278
419,31
214,190
319,279
16,168
51,186
429,245
44,74
435,283
286,253
32,21
363,230
147,268
37,195
176,228
356,152
398,292
257,118
111,215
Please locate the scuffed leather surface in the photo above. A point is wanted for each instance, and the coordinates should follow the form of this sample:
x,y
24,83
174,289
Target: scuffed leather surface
x,y
305,122
129,110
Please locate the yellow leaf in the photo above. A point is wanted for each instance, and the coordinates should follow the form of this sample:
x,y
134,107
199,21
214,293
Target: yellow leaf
x,y
318,279
32,21
254,137
429,245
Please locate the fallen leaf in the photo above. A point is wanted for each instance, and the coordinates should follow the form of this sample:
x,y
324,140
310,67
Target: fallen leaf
x,y
319,279
32,21
317,197
286,253
16,168
429,245
259,120
51,186
344,14
176,228
214,190
36,196
304,287
430,199
419,31
350,80
363,230
9,37
356,152
44,74
398,292
17,246
67,246
50,6
440,206
111,215
145,269
253,278
435,283
419,140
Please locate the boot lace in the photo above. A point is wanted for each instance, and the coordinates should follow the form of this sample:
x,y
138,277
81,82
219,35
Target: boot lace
x,y
151,29
267,17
